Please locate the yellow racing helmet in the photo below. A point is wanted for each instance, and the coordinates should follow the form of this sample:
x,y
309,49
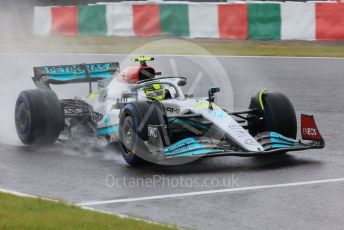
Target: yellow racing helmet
x,y
155,91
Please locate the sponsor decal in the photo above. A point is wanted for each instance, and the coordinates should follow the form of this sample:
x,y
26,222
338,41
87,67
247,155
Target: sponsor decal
x,y
218,114
235,126
309,129
172,110
250,142
125,74
153,132
201,105
76,69
180,144
185,149
241,133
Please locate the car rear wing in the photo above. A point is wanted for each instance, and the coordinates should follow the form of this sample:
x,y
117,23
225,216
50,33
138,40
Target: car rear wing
x,y
64,74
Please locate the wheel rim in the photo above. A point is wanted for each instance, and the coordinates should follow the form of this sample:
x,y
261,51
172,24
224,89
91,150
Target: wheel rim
x,y
22,118
127,137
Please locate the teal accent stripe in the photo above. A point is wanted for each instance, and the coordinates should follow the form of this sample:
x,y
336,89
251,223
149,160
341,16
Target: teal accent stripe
x,y
111,129
200,152
280,146
192,123
180,144
184,149
280,136
73,77
280,141
188,147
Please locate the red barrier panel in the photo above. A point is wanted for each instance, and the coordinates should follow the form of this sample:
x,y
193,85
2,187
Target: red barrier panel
x,y
233,21
329,21
146,19
64,20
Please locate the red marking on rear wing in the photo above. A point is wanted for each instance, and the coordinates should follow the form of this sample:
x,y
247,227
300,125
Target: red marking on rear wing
x,y
309,130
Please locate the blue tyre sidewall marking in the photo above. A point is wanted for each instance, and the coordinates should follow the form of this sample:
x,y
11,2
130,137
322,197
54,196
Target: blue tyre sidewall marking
x,y
29,131
131,157
267,113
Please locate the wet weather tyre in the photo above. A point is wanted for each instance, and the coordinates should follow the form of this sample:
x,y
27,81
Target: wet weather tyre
x,y
133,130
278,115
39,116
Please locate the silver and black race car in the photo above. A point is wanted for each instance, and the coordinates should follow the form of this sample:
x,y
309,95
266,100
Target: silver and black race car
x,y
153,120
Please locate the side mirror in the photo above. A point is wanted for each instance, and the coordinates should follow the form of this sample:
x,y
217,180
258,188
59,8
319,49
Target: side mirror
x,y
214,90
211,96
182,82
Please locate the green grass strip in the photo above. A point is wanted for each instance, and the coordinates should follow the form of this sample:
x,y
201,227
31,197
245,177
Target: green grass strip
x,y
125,45
30,213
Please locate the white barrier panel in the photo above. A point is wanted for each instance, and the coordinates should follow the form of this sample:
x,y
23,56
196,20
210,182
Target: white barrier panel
x,y
42,21
298,21
203,20
119,18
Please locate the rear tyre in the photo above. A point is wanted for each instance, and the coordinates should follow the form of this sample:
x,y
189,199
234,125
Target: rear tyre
x,y
39,116
277,115
132,133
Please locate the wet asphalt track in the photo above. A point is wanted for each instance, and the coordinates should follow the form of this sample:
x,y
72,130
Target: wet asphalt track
x,y
79,175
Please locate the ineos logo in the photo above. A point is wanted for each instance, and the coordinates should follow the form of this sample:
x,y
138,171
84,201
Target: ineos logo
x,y
310,131
152,132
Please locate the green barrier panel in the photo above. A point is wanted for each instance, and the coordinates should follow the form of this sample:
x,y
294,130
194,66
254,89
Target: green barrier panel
x,y
174,19
92,20
264,21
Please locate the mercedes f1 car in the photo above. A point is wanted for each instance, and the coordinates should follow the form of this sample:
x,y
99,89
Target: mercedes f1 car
x,y
153,120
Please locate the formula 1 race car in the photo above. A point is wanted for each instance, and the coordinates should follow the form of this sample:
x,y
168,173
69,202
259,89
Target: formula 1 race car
x,y
153,120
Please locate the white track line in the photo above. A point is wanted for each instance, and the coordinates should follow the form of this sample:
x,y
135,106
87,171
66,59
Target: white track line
x,y
25,195
90,203
17,193
125,216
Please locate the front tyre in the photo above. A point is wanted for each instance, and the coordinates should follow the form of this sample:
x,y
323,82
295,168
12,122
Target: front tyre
x,y
129,142
275,113
133,130
39,116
